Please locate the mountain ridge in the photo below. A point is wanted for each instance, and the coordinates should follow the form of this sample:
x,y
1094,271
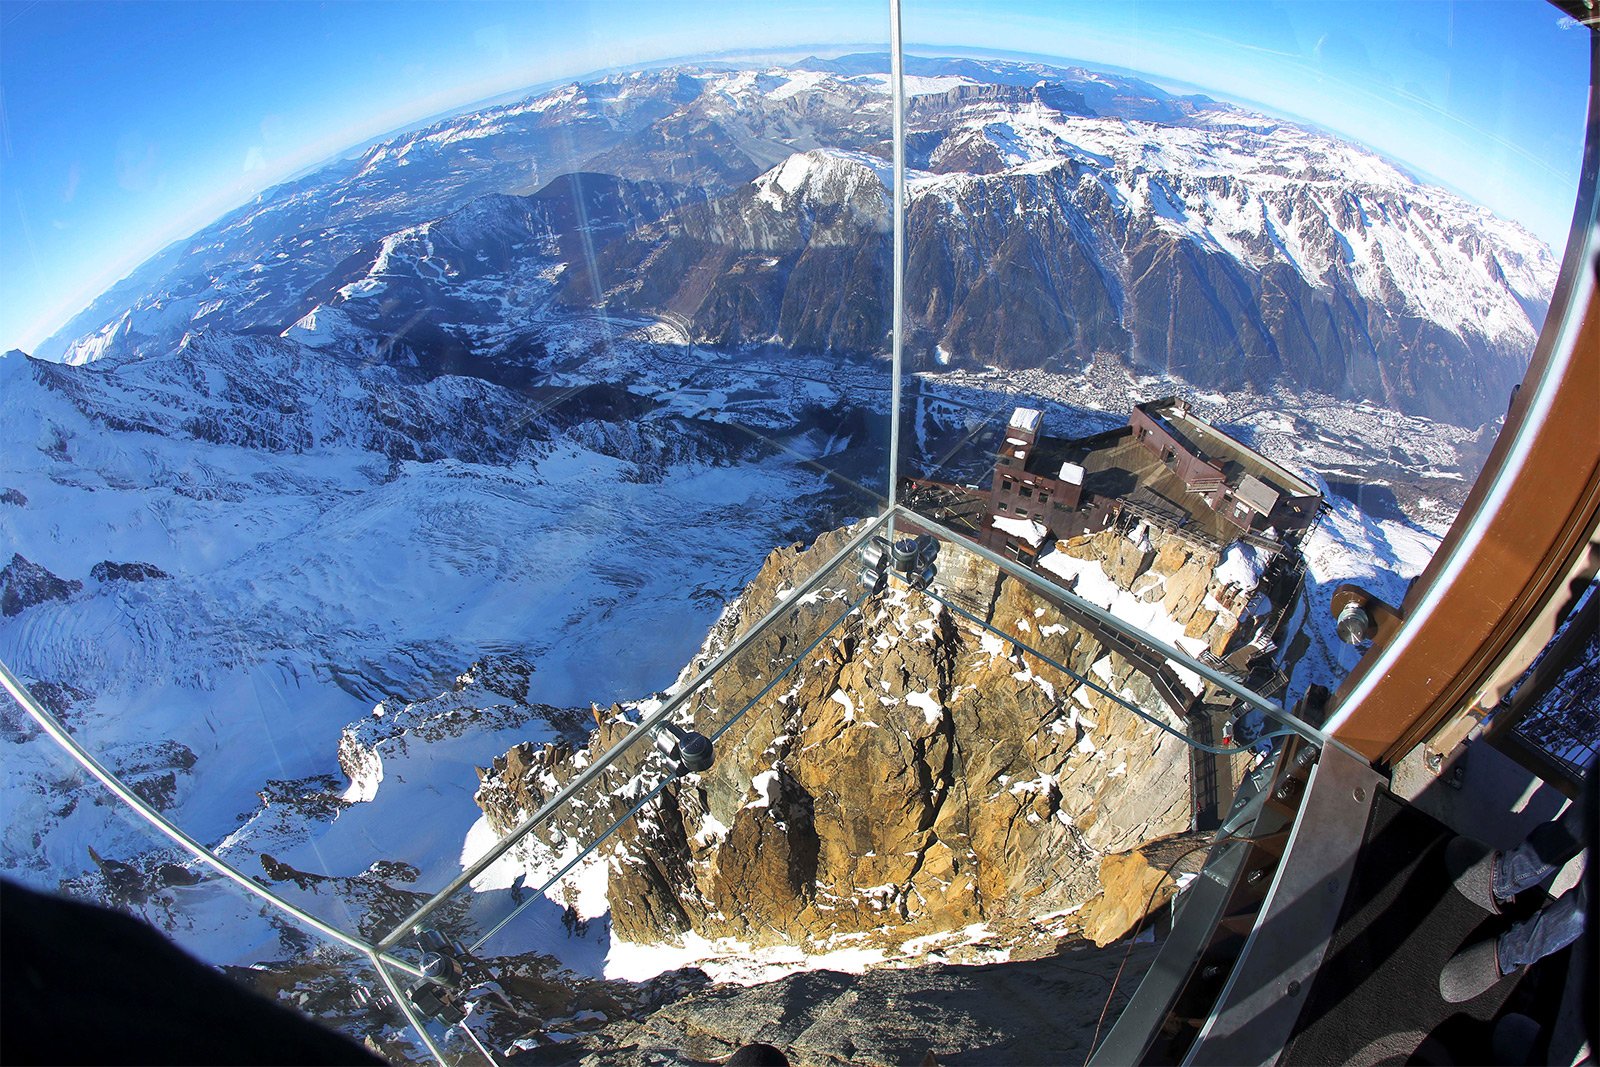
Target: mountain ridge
x,y
1057,215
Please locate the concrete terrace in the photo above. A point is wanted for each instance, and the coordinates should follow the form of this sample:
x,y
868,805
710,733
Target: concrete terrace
x,y
1234,457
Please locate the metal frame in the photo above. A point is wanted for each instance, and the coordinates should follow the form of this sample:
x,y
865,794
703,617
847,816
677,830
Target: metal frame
x,y
897,89
1271,708
1261,1002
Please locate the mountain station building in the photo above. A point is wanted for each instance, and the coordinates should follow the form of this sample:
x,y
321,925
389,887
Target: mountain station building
x,y
1168,466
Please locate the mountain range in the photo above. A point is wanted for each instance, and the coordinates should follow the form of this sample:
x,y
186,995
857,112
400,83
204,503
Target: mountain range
x,y
537,387
1057,216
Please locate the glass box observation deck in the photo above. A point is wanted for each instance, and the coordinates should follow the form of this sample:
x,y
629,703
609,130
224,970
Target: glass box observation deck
x,y
680,519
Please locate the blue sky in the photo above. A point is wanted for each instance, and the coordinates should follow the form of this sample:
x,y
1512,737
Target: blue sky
x,y
125,126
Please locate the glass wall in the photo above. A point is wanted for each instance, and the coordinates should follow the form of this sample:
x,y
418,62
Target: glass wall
x,y
1249,287
460,440
522,425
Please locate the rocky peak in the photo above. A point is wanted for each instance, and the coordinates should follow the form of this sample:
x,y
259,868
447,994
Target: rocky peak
x,y
915,775
107,571
24,583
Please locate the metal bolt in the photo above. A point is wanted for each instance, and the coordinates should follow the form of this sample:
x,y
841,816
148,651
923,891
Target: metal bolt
x,y
1256,875
1360,793
1294,988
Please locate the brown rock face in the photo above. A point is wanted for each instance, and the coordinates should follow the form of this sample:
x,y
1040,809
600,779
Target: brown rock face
x,y
913,773
1175,571
1128,884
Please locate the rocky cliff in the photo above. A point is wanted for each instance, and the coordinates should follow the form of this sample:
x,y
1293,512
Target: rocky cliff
x,y
916,774
23,583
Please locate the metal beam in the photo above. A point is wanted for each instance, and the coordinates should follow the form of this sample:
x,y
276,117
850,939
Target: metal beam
x,y
1257,1010
897,96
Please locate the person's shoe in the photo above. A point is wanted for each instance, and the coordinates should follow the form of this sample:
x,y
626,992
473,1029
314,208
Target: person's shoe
x,y
1471,972
1471,867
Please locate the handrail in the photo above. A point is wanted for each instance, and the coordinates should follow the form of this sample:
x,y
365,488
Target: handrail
x,y
616,751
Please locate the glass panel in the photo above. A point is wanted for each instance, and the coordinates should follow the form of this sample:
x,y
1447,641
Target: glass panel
x,y
1177,339
1183,273
899,776
456,416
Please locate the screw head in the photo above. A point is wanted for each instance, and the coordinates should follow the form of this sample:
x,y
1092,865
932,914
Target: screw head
x,y
1359,793
1294,988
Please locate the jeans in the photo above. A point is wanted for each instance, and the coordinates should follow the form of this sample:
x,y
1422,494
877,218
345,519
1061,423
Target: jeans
x,y
1552,929
1558,924
1544,853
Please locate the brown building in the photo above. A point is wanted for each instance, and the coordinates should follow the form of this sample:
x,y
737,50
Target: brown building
x,y
1248,490
1167,466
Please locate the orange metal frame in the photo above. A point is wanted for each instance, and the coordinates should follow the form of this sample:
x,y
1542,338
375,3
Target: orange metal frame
x,y
1523,531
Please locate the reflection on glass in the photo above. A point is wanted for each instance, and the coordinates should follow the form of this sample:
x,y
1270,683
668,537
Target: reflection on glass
x,y
1202,235
383,525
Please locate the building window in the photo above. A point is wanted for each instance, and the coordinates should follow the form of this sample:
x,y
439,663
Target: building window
x,y
1027,491
1044,498
1003,506
1005,484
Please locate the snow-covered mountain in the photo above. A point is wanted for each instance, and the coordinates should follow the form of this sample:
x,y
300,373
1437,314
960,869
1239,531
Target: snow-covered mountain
x,y
1057,216
537,388
220,556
